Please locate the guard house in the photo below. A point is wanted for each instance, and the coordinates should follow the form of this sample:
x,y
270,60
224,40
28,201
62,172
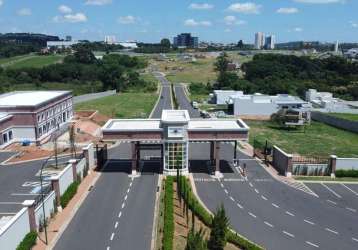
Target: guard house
x,y
172,134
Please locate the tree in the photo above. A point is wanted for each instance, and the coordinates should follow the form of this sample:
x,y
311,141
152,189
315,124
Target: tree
x,y
84,55
221,66
240,44
219,229
165,42
196,241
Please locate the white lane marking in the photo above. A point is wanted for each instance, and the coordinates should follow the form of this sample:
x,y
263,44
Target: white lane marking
x,y
123,204
351,209
108,248
251,214
7,213
311,244
309,222
120,214
241,207
276,206
335,203
330,230
289,234
291,214
257,191
250,184
225,190
222,185
112,236
354,239
231,198
116,225
263,197
268,224
333,192
128,190
10,203
354,192
130,184
125,197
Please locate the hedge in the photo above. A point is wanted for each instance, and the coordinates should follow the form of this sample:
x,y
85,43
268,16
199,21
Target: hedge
x,y
347,173
168,234
28,242
69,193
206,218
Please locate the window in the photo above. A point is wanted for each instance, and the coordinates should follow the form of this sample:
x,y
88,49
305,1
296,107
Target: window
x,y
4,137
64,116
38,118
40,131
10,135
175,155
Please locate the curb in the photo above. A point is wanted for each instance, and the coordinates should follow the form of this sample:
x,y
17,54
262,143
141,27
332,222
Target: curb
x,y
7,163
158,100
155,217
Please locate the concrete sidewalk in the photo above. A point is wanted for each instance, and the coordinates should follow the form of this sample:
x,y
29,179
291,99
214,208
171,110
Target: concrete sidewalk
x,y
59,223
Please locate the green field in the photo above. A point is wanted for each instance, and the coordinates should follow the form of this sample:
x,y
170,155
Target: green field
x,y
10,60
123,105
34,61
351,117
318,140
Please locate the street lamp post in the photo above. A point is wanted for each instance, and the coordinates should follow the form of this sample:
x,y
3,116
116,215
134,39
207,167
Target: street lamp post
x,y
43,197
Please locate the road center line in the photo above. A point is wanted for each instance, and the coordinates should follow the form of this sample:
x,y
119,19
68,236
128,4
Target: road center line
x,y
354,239
354,192
241,207
130,184
125,197
268,224
289,234
333,192
116,225
311,244
276,206
108,248
291,214
250,184
351,209
231,198
222,185
309,222
251,214
225,190
128,190
263,197
335,203
330,230
120,214
112,236
123,204
257,191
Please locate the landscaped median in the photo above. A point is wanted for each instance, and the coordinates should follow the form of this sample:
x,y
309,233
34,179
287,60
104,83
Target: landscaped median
x,y
183,214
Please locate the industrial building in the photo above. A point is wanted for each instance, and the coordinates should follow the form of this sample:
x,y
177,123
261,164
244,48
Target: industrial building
x,y
60,44
221,97
185,40
33,115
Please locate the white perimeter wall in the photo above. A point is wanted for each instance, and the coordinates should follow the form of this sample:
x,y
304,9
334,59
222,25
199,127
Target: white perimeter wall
x,y
347,163
65,178
81,166
15,230
49,208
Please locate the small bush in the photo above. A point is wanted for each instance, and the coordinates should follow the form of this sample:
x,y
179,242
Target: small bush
x,y
69,193
347,173
28,242
168,235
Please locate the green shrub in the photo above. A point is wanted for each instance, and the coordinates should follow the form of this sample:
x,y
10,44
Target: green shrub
x,y
207,218
168,235
347,173
28,242
69,193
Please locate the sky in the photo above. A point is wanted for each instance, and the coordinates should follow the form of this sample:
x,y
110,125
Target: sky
x,y
211,20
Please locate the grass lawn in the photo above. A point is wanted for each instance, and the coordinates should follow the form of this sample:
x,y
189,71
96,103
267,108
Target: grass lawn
x,y
6,61
123,105
318,140
351,117
35,61
324,178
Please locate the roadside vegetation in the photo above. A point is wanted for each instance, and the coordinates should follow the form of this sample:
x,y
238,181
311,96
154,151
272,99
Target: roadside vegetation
x,y
69,193
350,117
317,139
168,230
28,242
324,178
34,61
123,105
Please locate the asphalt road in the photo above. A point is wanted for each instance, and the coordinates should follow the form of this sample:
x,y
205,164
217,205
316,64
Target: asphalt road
x,y
184,103
165,101
117,214
270,212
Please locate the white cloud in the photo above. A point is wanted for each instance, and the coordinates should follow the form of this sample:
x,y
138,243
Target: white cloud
x,y
287,10
201,6
354,24
71,18
320,1
194,23
246,8
1,2
227,30
298,29
98,2
127,19
64,9
232,20
24,12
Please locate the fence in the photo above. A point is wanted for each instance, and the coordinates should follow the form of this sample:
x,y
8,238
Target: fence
x,y
263,150
347,163
49,205
335,121
65,178
15,230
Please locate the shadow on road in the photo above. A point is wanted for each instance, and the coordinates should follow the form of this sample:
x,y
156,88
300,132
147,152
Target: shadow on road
x,y
147,167
203,166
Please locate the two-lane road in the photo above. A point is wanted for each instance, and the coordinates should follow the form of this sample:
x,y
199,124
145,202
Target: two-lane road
x,y
165,100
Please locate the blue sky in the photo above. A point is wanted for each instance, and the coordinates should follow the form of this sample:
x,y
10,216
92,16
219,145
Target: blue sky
x,y
214,20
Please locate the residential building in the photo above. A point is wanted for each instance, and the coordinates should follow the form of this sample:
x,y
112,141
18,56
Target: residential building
x,y
224,96
33,115
61,44
352,53
265,105
109,39
185,40
270,42
259,40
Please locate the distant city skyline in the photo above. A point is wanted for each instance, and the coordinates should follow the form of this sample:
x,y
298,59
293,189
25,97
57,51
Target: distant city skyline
x,y
216,20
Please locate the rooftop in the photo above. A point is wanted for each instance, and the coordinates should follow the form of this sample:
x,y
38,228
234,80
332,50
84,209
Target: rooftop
x,y
175,116
132,125
217,125
29,98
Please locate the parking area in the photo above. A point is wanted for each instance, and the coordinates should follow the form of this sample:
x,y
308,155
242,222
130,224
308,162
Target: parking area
x,y
6,155
337,194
